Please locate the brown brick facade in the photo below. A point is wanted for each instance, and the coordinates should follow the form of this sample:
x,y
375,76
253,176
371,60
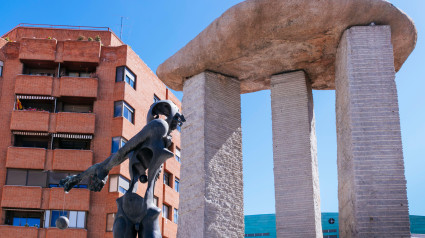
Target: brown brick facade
x,y
97,93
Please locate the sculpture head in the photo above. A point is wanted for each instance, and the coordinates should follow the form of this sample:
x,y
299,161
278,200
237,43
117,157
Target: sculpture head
x,y
169,110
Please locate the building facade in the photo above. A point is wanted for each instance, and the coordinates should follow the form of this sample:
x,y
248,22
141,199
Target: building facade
x,y
69,98
264,225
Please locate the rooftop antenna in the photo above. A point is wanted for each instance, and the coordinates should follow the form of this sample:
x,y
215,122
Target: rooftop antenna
x,y
122,18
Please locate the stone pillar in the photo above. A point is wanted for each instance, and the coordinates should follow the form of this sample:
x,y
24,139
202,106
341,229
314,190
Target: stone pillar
x,y
211,194
296,175
371,183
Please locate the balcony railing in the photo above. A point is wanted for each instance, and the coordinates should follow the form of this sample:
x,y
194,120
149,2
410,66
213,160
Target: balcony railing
x,y
78,87
171,197
18,231
37,49
81,51
33,84
22,196
76,199
70,122
72,160
24,157
30,121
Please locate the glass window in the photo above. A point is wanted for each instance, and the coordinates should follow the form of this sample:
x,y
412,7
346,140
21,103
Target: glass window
x,y
24,218
37,178
113,183
155,98
71,144
117,143
77,219
110,221
120,184
31,141
55,215
16,177
122,109
165,211
124,74
123,184
166,178
155,200
55,177
177,154
179,128
177,185
1,68
176,215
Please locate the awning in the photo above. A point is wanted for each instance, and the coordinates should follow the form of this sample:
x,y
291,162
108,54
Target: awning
x,y
30,133
73,136
35,97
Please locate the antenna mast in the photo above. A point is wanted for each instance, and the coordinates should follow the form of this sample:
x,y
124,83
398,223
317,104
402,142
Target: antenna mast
x,y
121,28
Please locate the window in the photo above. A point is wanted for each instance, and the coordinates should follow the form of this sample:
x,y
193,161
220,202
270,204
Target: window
x,y
179,128
176,216
31,141
71,144
26,177
24,218
82,70
177,154
166,178
165,211
1,68
124,74
155,200
35,103
122,109
110,221
117,143
55,177
155,98
77,219
177,185
118,183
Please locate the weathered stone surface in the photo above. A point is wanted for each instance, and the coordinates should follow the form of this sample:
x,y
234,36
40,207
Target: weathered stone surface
x,y
211,192
295,157
259,38
371,182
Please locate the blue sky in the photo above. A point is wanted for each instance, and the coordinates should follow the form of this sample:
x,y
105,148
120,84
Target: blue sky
x,y
158,29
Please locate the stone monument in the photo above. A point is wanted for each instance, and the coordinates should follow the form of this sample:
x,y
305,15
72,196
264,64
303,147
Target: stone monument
x,y
291,47
147,150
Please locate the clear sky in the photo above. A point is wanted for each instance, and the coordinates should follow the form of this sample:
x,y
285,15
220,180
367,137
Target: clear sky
x,y
157,29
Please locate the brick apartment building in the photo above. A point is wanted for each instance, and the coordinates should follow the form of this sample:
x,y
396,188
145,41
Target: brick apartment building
x,y
67,103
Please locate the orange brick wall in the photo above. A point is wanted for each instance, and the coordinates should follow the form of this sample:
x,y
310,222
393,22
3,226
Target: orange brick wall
x,y
101,123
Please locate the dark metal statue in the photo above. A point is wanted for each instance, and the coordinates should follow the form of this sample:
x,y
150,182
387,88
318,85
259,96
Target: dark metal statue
x,y
147,151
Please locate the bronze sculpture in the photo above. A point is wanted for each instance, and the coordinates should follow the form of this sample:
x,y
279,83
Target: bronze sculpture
x,y
147,150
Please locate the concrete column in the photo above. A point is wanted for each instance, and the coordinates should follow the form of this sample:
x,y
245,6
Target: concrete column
x,y
296,173
211,195
371,183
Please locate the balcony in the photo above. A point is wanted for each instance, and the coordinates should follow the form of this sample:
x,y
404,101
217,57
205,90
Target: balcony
x,y
70,232
18,231
33,84
83,123
72,160
171,197
37,49
78,199
29,158
81,51
30,121
173,166
78,87
22,196
169,228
